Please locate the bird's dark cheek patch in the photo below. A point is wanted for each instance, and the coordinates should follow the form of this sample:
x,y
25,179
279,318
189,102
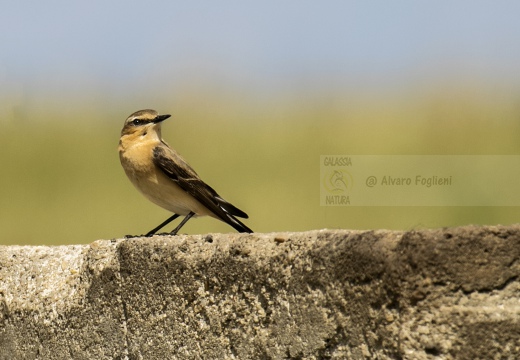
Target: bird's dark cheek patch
x,y
144,134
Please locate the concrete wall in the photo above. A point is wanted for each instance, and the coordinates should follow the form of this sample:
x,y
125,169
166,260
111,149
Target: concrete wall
x,y
327,294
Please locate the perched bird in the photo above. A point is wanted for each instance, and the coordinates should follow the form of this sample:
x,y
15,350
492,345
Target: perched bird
x,y
165,178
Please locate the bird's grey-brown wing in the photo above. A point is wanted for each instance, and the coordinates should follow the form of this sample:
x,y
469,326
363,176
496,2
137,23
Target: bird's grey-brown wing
x,y
174,166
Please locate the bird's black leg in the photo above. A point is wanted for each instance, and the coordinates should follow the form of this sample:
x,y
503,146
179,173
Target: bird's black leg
x,y
184,221
163,224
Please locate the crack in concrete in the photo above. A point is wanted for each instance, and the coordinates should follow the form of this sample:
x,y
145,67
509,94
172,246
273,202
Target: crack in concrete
x,y
126,348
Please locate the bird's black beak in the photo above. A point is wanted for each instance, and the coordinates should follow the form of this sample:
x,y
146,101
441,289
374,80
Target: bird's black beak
x,y
160,118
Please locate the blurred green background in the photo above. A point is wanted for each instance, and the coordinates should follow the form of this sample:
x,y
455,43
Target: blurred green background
x,y
254,132
62,182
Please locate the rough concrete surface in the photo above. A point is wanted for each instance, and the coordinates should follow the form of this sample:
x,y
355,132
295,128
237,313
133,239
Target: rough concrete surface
x,y
329,294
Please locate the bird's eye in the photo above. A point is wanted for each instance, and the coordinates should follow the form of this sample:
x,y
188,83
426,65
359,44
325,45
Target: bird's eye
x,y
137,122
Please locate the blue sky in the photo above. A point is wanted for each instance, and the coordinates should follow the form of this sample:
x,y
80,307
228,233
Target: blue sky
x,y
67,46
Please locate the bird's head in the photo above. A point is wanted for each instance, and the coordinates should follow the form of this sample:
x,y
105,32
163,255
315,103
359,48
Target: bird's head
x,y
144,122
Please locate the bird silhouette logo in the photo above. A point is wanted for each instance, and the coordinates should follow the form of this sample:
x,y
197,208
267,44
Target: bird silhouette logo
x,y
337,181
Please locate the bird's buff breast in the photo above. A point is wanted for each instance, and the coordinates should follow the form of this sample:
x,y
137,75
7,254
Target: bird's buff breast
x,y
154,184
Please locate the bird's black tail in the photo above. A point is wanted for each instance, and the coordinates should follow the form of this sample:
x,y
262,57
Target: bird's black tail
x,y
230,213
237,224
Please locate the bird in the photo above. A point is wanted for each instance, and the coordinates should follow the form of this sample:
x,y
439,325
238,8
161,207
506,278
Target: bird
x,y
163,176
